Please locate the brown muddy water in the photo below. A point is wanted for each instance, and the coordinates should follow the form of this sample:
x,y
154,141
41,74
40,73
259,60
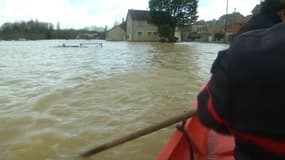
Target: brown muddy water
x,y
56,103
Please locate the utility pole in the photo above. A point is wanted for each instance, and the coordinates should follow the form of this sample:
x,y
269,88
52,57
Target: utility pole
x,y
226,19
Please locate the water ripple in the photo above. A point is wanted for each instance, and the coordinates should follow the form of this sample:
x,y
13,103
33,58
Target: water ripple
x,y
58,102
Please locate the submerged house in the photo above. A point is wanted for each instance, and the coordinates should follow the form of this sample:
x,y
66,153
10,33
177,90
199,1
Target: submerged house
x,y
117,33
139,26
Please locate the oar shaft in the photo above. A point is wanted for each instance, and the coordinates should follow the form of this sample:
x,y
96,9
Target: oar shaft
x,y
139,133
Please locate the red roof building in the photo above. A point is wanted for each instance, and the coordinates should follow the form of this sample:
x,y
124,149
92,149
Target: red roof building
x,y
236,27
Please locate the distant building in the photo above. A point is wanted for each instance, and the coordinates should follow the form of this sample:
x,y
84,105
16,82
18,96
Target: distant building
x,y
200,27
199,32
235,27
215,27
231,18
117,33
139,26
86,36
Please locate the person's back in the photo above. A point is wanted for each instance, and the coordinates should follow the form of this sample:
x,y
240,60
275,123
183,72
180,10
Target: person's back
x,y
244,96
256,76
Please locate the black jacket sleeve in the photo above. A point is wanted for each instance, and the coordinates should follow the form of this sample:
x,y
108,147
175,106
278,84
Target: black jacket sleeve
x,y
214,98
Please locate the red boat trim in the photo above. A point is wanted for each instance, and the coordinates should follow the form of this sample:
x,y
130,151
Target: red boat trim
x,y
273,145
174,141
212,110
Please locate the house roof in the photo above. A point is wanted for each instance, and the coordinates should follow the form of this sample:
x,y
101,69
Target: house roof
x,y
124,25
139,14
200,23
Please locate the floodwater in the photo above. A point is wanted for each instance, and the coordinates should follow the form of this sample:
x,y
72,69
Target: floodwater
x,y
57,102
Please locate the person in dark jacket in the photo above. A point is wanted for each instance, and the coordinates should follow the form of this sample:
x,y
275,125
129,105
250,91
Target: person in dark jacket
x,y
246,94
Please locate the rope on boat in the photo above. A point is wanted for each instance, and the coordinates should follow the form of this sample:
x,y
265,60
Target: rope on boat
x,y
181,128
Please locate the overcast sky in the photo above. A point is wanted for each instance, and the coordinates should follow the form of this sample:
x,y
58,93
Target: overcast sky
x,y
81,13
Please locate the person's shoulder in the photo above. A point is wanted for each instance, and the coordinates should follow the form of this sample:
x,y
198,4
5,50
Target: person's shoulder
x,y
260,37
259,33
258,43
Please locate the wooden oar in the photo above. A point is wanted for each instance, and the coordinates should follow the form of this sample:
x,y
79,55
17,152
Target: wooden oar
x,y
139,133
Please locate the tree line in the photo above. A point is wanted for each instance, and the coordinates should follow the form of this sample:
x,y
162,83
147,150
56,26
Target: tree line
x,y
35,30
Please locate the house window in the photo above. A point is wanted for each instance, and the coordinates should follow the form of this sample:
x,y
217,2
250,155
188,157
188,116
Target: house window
x,y
154,34
140,34
149,34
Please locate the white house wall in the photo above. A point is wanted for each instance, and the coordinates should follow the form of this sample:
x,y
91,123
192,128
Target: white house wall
x,y
142,31
129,28
200,28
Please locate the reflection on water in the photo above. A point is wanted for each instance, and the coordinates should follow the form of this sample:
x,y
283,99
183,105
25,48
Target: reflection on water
x,y
58,102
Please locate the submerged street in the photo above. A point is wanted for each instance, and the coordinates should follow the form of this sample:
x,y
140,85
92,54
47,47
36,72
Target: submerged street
x,y
58,102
